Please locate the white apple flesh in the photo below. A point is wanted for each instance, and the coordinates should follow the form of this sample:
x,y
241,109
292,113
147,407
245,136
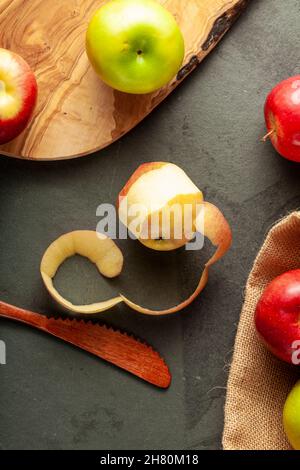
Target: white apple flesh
x,y
150,195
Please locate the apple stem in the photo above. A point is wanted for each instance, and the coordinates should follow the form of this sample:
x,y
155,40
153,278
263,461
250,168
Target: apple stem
x,y
268,135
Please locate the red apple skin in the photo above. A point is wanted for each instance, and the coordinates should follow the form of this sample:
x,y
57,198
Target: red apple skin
x,y
16,73
282,115
277,316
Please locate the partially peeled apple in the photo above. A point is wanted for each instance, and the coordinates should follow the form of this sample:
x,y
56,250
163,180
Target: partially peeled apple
x,y
151,193
155,187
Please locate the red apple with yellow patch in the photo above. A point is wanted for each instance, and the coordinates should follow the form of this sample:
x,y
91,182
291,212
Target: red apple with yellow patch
x,y
18,95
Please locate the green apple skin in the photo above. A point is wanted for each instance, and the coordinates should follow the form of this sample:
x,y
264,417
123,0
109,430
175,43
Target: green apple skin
x,y
135,46
291,417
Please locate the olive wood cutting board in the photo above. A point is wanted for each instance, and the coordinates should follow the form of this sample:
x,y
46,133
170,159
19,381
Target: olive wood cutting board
x,y
77,113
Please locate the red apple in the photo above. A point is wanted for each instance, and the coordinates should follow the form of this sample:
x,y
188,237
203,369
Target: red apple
x,y
18,94
277,316
282,114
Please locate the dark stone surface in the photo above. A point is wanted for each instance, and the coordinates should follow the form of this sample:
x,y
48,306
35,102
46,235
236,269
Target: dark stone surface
x,y
54,396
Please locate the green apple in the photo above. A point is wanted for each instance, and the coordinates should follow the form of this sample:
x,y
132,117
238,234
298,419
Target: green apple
x,y
291,417
135,46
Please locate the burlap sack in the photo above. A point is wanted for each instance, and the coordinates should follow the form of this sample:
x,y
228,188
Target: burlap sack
x,y
259,383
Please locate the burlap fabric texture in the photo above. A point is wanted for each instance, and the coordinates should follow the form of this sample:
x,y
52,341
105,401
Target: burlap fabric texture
x,y
258,382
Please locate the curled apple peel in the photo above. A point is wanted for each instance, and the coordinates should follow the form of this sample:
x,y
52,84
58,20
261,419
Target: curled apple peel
x,y
99,249
155,190
108,258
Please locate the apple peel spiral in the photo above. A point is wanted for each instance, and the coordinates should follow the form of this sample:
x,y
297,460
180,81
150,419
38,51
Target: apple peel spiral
x,y
104,253
99,249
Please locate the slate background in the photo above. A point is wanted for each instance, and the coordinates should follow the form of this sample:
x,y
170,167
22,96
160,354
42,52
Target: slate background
x,y
56,397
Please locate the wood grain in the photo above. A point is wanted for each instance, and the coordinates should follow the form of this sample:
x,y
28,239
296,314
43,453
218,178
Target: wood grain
x,y
109,344
77,113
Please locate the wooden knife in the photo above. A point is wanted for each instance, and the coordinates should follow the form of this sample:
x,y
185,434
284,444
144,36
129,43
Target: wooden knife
x,y
113,346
